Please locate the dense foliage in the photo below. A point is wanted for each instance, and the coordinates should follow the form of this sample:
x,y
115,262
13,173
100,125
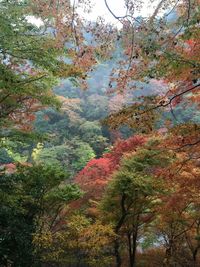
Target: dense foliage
x,y
99,135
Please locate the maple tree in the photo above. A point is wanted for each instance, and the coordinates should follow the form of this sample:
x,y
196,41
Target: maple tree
x,y
162,48
29,64
179,216
33,57
134,192
94,177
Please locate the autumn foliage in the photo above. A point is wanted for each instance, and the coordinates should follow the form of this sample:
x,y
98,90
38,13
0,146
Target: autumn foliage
x,y
94,177
99,135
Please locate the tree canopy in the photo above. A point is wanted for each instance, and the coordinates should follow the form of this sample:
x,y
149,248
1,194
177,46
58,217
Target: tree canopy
x,y
99,134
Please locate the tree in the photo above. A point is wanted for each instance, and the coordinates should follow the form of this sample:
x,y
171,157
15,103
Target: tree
x,y
27,195
33,57
26,71
130,200
96,174
163,46
178,214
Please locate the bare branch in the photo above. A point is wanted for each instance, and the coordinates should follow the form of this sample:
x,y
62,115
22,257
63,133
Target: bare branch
x,y
120,18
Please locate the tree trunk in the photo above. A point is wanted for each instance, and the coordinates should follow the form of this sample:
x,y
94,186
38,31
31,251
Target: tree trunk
x,y
132,245
170,255
194,257
130,250
117,253
117,228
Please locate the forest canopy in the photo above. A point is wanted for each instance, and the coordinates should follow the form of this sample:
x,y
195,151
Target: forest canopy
x,y
99,134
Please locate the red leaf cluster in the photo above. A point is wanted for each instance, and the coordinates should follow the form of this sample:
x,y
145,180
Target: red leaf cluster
x,y
93,178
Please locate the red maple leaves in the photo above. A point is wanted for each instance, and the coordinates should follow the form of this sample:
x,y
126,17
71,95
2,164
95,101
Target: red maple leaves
x,y
94,177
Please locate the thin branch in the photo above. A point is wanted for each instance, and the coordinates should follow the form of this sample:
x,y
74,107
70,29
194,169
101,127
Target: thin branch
x,y
170,100
184,162
185,230
119,18
172,112
172,9
31,80
180,94
178,58
189,144
188,11
4,98
73,27
159,6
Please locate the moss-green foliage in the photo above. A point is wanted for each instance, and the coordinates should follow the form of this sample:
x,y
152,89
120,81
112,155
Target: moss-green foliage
x,y
71,157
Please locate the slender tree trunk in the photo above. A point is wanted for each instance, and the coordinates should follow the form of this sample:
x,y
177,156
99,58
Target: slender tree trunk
x,y
117,253
130,249
134,247
170,255
117,228
194,257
